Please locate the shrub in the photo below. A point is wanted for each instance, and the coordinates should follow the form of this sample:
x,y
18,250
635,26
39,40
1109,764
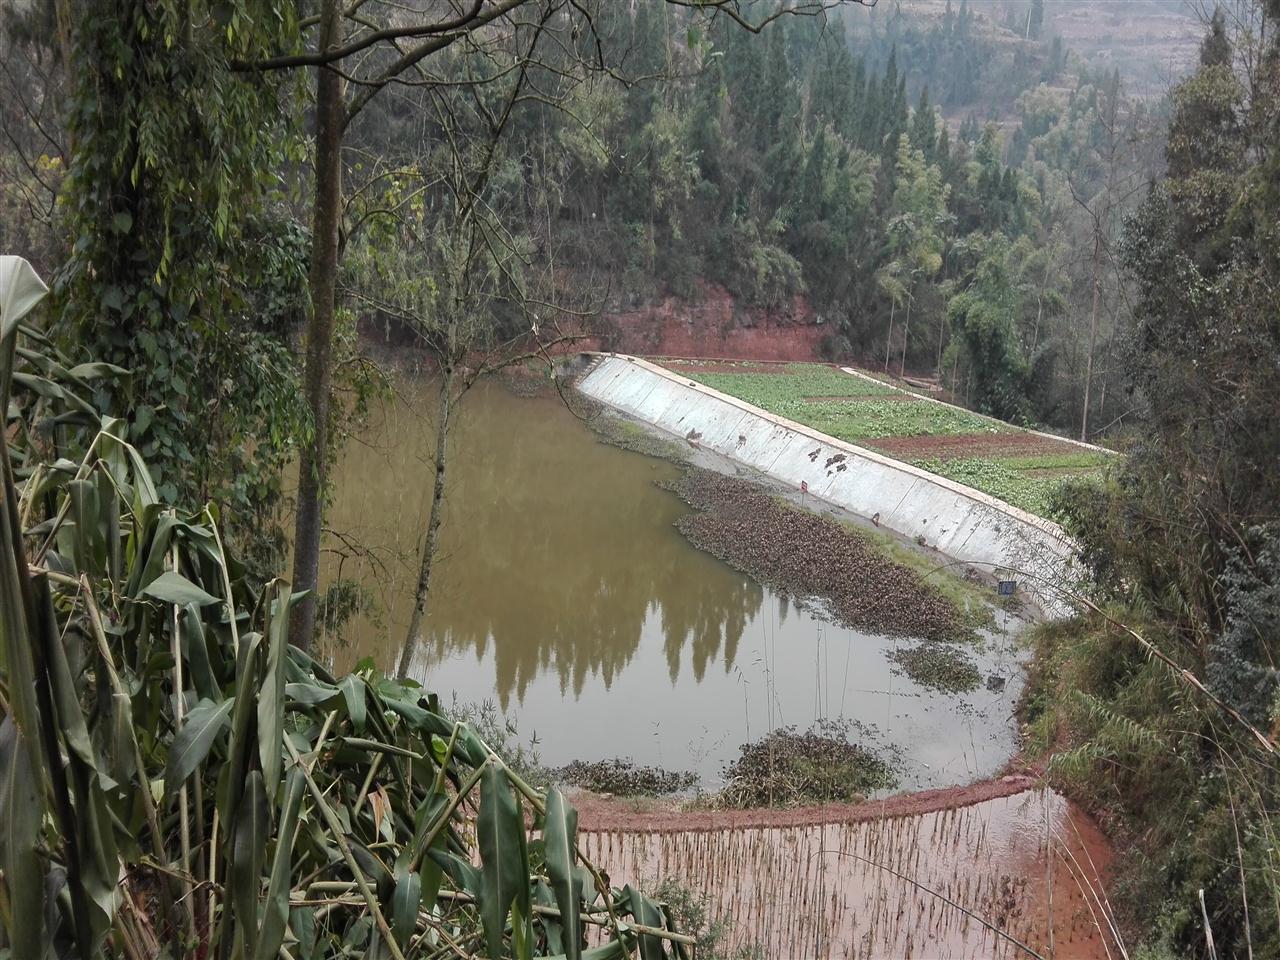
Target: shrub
x,y
790,768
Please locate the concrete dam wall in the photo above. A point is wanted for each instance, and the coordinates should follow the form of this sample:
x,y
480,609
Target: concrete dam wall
x,y
959,522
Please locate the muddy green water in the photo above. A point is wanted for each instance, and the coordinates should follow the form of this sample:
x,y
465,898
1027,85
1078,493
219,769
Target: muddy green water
x,y
565,596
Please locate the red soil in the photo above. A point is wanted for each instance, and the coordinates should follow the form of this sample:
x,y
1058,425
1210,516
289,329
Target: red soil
x,y
602,814
709,366
715,325
969,445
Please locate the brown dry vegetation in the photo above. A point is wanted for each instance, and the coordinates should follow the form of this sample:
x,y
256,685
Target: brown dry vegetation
x,y
969,445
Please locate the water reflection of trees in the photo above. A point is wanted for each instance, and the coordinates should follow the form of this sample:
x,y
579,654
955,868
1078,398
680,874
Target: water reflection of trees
x,y
560,549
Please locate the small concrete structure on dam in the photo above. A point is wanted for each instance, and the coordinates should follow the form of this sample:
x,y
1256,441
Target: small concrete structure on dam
x,y
959,522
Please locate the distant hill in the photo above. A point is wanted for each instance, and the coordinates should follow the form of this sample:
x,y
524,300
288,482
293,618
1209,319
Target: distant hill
x,y
1153,43
976,57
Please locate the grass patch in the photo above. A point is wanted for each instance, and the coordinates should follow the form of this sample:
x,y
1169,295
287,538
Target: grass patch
x,y
1081,460
629,435
624,778
937,666
879,419
790,768
1034,494
788,391
791,382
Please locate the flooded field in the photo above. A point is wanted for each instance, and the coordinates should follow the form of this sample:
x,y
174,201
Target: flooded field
x,y
1010,876
566,596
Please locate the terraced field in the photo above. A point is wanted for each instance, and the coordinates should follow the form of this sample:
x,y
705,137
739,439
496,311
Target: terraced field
x,y
1015,465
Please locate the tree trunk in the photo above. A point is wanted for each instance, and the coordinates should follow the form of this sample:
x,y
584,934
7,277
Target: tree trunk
x,y
906,336
63,18
942,335
1093,335
330,119
1044,282
1106,370
888,344
413,638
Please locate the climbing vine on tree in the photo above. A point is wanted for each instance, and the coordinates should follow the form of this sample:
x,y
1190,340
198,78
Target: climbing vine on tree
x,y
184,268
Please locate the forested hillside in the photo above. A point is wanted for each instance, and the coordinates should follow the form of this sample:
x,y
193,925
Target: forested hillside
x,y
939,193
815,173
245,209
1183,549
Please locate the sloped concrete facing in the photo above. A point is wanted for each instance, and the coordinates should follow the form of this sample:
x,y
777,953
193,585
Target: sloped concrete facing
x,y
963,524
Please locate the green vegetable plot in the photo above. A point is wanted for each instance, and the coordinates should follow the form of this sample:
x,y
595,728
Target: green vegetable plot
x,y
1011,464
1025,490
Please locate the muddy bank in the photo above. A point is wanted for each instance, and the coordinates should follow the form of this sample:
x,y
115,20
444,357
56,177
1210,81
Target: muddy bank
x,y
627,434
809,555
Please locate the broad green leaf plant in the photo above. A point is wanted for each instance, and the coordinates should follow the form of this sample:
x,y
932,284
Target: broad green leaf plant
x,y
177,780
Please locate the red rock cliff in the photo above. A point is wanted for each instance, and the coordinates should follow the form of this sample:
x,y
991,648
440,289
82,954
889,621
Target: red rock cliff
x,y
715,325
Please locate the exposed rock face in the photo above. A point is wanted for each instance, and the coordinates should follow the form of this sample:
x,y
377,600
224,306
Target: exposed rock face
x,y
715,325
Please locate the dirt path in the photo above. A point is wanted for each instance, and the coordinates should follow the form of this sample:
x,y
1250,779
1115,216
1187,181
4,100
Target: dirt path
x,y
605,814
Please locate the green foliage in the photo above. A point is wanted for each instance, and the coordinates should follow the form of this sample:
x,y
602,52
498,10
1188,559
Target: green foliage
x,y
984,316
1215,49
937,666
185,271
504,737
1117,725
787,165
689,911
919,209
160,733
1205,152
1007,480
624,778
1066,460
1182,540
1239,667
880,419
